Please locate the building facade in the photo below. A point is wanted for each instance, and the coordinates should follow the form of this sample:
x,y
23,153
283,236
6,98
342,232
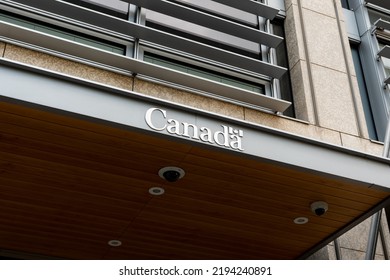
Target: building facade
x,y
183,129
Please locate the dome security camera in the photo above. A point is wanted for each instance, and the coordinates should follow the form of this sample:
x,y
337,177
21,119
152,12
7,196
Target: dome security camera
x,y
171,173
319,207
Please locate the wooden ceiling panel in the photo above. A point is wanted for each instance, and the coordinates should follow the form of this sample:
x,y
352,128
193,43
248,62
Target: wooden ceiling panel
x,y
68,186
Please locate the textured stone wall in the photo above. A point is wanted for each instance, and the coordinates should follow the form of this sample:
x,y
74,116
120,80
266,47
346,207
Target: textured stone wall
x,y
323,78
66,66
353,244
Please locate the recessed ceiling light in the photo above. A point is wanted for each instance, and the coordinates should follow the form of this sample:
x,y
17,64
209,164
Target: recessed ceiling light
x,y
115,243
156,191
301,220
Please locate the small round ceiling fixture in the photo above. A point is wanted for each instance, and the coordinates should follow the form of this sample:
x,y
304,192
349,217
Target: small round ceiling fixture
x,y
301,220
156,191
171,173
115,243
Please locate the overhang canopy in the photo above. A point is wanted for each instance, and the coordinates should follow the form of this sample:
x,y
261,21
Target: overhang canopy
x,y
77,160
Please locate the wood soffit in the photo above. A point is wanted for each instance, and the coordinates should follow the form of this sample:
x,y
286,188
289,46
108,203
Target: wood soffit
x,y
68,186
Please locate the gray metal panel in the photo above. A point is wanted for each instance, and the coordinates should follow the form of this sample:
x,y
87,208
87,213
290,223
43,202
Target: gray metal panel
x,y
251,7
385,52
374,76
128,109
218,90
116,5
225,11
128,29
201,18
382,3
128,65
352,28
382,24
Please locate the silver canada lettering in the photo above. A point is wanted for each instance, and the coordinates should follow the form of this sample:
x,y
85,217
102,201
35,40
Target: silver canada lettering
x,y
206,135
227,137
173,127
186,130
148,118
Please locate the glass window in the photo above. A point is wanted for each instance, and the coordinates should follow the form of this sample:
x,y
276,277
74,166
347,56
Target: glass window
x,y
203,34
385,60
363,93
375,15
203,73
249,48
345,4
62,33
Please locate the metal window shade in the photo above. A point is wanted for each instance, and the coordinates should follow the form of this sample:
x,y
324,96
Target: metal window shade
x,y
197,32
115,8
207,20
382,35
125,29
382,24
221,10
385,52
123,64
115,5
382,3
250,6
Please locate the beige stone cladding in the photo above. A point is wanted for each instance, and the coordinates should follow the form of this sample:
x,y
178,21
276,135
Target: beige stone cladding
x,y
68,67
322,74
2,47
353,244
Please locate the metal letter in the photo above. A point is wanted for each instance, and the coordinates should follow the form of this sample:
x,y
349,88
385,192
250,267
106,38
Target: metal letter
x,y
148,118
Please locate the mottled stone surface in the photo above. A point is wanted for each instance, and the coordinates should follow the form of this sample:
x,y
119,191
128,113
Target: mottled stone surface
x,y
325,7
386,231
2,47
323,40
189,99
293,126
67,67
334,100
322,254
303,101
360,144
316,99
288,3
354,242
356,238
332,251
294,36
348,254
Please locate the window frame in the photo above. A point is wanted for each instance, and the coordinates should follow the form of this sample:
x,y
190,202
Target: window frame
x,y
108,29
227,73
